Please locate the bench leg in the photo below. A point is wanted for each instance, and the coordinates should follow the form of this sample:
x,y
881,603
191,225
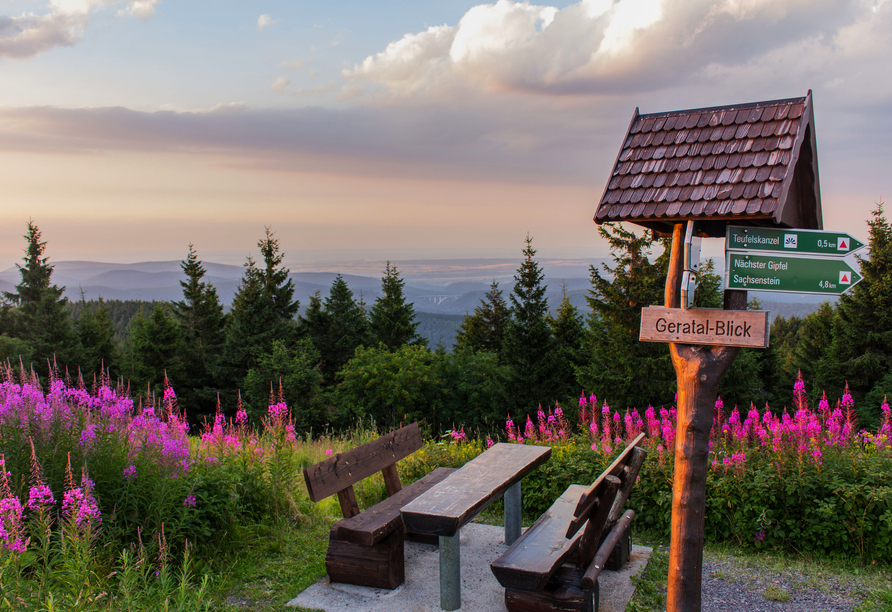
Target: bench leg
x,y
450,572
512,514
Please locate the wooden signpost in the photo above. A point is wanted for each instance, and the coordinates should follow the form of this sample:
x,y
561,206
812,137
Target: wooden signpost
x,y
753,166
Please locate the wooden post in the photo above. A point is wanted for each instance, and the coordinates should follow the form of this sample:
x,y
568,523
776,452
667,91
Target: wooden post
x,y
698,370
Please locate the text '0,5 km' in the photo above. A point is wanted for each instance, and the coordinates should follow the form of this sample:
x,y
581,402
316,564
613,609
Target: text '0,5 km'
x,y
705,326
793,241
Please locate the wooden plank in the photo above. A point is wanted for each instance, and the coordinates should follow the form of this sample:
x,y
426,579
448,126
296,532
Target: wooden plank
x,y
591,535
465,493
614,469
590,578
563,593
380,566
704,326
383,518
345,469
347,500
391,480
535,556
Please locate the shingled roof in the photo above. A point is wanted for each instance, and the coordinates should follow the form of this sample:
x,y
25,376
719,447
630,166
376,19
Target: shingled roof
x,y
746,164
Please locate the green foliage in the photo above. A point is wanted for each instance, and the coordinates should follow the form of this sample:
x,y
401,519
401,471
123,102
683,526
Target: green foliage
x,y
40,317
337,328
155,349
625,371
392,320
862,329
529,347
96,334
485,329
709,292
201,323
439,329
568,328
262,312
474,391
391,387
296,373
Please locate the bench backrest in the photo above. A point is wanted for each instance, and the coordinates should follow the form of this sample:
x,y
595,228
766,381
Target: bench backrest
x,y
339,473
600,506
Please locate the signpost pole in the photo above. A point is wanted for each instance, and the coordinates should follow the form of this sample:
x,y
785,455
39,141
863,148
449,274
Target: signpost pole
x,y
698,370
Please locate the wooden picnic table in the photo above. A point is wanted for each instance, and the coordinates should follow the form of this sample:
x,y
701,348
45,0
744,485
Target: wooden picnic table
x,y
448,505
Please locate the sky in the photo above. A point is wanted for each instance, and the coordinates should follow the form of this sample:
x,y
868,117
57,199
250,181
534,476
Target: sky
x,y
396,129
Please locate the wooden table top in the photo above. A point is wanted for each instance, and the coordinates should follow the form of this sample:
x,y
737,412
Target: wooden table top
x,y
443,509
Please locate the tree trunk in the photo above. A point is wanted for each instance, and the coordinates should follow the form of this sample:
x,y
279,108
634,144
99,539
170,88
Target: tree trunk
x,y
698,370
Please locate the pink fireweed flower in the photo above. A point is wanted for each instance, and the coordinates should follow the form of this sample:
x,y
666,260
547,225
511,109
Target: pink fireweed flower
x,y
80,506
189,502
241,417
458,436
11,526
329,452
582,400
40,495
489,442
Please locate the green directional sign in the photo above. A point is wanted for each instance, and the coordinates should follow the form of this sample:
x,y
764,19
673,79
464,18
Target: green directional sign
x,y
819,242
829,276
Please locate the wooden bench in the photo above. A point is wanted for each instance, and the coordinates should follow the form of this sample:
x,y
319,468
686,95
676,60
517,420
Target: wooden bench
x,y
555,564
366,548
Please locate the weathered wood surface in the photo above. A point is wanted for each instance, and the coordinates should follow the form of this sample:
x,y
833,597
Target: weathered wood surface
x,y
380,566
698,370
383,518
591,535
345,469
606,550
532,559
562,594
619,468
453,502
709,326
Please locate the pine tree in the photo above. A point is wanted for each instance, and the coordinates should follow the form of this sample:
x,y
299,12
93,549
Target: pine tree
x,y
568,328
201,321
485,329
97,338
40,317
862,330
262,312
617,366
155,348
530,348
392,320
348,328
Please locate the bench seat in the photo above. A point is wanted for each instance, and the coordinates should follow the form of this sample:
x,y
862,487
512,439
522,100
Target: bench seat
x,y
543,548
374,524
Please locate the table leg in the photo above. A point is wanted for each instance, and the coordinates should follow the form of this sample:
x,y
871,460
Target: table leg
x,y
512,514
450,572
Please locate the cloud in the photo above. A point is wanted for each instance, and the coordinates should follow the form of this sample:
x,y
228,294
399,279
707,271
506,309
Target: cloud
x,y
31,34
263,21
607,48
280,84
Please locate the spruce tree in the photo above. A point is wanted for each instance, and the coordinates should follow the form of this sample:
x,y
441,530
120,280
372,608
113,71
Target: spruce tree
x,y
862,330
617,366
155,348
530,348
485,329
40,317
262,312
96,333
347,329
201,321
568,328
392,321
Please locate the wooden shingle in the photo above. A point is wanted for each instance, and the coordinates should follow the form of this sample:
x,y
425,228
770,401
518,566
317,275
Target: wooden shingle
x,y
747,164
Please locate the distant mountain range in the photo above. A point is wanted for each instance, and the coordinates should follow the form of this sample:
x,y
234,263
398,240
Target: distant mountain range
x,y
448,286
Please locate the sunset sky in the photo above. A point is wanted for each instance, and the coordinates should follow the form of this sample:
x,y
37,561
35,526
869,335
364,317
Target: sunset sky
x,y
395,129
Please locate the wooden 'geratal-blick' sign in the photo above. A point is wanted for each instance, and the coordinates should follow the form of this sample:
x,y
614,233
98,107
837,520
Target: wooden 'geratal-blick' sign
x,y
705,326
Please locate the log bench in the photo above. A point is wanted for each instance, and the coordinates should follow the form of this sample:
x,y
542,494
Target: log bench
x,y
555,564
366,548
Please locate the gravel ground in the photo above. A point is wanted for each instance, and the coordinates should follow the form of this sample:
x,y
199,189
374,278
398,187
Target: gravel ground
x,y
739,585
